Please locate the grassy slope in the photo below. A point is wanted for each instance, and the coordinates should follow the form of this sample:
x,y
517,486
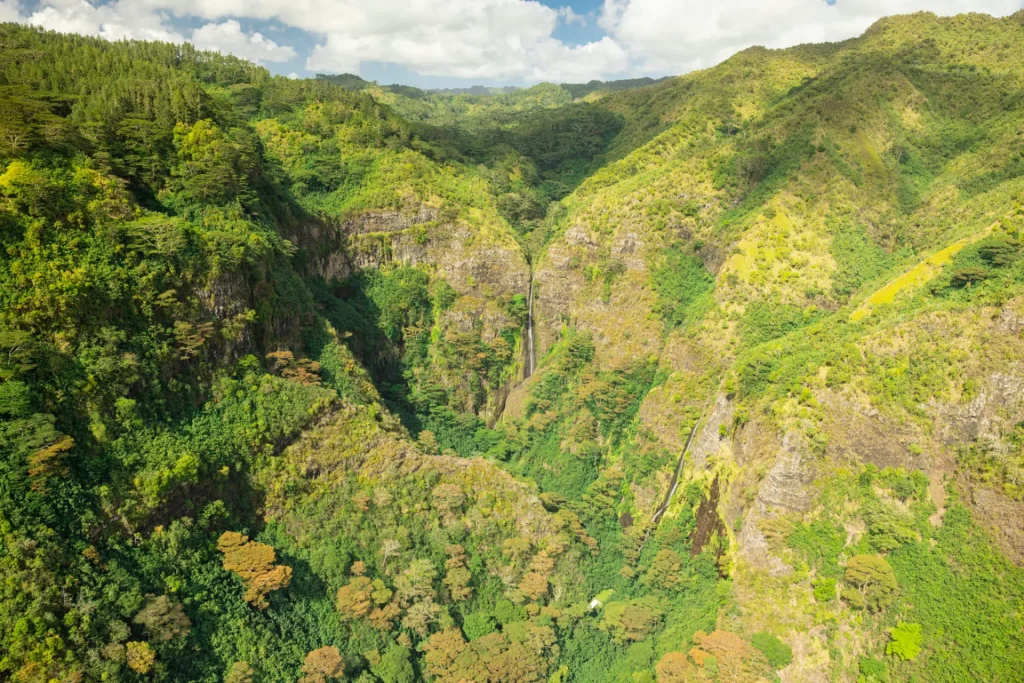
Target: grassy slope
x,y
805,180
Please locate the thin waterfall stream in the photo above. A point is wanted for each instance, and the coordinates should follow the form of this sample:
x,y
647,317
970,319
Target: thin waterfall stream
x,y
531,354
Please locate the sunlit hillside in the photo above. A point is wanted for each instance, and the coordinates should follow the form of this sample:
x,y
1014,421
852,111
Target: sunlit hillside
x,y
713,378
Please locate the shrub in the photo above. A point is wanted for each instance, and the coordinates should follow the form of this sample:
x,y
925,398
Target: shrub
x,y
680,282
968,276
478,624
824,589
873,671
778,653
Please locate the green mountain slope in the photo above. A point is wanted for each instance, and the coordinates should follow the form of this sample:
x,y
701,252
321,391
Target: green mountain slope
x,y
710,379
860,224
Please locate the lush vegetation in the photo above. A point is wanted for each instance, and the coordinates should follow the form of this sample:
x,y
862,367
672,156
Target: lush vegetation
x,y
263,342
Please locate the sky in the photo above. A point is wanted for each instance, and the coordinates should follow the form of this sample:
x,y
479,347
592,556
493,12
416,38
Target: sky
x,y
453,43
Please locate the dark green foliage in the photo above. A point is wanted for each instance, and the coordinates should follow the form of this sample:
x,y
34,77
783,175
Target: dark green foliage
x,y
965,277
963,595
820,542
763,166
582,89
346,81
767,320
778,653
681,282
1000,252
395,321
756,373
595,407
859,260
873,670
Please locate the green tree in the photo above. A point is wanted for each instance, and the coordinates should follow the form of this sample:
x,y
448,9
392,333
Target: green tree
x,y
906,641
874,578
395,666
631,620
163,619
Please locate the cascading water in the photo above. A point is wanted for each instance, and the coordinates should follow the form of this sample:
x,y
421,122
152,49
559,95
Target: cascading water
x,y
531,357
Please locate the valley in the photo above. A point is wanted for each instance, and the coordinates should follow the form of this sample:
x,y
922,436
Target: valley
x,y
709,378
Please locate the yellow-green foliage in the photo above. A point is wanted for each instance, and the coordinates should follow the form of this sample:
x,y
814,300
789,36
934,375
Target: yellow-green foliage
x,y
916,276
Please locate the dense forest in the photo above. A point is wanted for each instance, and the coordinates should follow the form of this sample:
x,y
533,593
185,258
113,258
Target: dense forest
x,y
713,378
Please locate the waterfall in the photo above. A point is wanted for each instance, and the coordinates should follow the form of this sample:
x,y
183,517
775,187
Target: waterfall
x,y
674,484
531,354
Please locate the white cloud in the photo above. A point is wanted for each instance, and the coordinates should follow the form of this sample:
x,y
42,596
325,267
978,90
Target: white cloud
x,y
229,38
138,20
114,21
570,17
481,39
492,40
680,35
10,10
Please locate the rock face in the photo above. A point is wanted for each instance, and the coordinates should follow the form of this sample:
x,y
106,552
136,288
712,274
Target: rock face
x,y
998,406
786,489
709,440
559,282
389,221
486,260
1011,320
598,284
861,435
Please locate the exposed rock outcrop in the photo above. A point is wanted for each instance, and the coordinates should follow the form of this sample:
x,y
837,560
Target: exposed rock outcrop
x,y
485,259
998,406
389,221
709,439
786,489
859,434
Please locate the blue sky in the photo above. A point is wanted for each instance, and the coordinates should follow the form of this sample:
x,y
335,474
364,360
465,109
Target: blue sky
x,y
446,43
